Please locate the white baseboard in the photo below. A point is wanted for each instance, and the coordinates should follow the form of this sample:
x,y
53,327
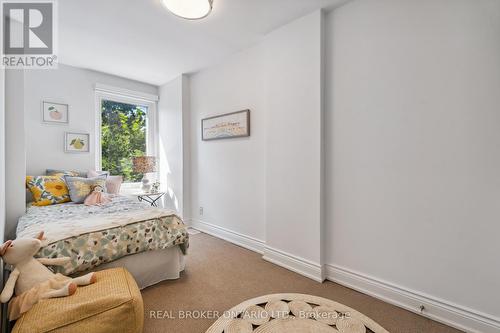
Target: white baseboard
x,y
298,265
247,242
437,309
454,315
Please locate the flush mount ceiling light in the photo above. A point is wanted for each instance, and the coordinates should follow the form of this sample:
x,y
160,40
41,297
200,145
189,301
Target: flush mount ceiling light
x,y
189,9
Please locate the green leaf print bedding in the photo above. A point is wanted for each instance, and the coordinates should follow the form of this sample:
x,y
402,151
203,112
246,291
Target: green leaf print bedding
x,y
93,235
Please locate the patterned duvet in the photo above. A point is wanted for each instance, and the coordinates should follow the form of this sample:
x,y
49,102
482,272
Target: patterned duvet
x,y
65,229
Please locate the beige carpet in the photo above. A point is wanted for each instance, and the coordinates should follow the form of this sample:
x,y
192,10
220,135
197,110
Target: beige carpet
x,y
220,275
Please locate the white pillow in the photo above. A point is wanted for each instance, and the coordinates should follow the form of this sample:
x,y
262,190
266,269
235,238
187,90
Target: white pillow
x,y
93,173
113,184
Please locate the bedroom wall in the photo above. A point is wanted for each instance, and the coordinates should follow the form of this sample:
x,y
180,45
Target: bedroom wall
x,y
228,176
172,109
73,86
258,189
186,153
2,156
15,153
293,96
411,153
413,186
2,163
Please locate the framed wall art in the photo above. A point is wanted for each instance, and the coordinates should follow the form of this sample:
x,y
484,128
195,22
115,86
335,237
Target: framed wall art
x,y
55,113
226,126
76,142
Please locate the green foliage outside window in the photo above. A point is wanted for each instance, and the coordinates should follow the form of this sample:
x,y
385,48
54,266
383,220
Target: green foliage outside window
x,y
123,136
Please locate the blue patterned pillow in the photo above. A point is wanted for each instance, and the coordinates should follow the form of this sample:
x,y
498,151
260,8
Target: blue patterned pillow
x,y
80,188
73,173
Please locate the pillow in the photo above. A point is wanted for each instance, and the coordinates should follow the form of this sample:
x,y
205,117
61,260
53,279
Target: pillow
x,y
80,188
93,173
47,190
113,183
72,173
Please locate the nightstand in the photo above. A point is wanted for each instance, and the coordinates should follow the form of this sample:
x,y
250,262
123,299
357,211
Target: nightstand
x,y
151,198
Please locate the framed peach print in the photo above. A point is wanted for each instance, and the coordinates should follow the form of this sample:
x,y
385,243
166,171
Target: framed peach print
x,y
55,113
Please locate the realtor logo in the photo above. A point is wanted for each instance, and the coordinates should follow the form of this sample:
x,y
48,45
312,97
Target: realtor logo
x,y
28,34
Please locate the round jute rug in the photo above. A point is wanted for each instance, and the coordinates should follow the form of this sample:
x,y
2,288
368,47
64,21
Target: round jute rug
x,y
293,313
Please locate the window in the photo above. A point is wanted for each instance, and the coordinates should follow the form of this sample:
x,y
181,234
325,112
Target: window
x,y
125,129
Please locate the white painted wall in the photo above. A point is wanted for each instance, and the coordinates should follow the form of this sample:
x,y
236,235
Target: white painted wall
x,y
15,154
293,149
73,86
2,156
186,147
2,164
172,108
411,186
413,159
228,176
264,188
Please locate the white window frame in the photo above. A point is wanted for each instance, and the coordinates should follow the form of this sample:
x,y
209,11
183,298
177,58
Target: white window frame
x,y
104,92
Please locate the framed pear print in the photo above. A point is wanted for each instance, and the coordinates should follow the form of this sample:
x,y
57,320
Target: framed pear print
x,y
55,113
76,142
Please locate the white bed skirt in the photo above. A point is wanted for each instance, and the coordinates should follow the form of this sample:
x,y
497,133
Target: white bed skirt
x,y
151,267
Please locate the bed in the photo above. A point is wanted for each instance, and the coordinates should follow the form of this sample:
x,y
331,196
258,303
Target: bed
x,y
150,242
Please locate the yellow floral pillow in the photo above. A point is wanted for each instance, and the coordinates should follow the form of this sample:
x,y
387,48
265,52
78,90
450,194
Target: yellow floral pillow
x,y
47,190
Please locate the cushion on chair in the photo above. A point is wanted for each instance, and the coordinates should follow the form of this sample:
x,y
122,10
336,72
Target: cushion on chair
x,y
112,304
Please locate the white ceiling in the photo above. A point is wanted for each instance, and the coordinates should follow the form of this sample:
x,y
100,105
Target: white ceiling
x,y
141,40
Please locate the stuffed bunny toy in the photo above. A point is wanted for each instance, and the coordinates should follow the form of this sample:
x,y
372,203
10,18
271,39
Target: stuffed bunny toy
x,y
31,280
